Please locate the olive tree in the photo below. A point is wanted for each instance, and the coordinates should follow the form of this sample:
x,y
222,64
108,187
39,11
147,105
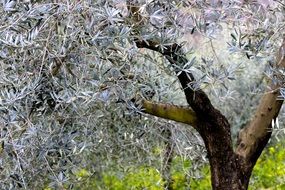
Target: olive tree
x,y
74,78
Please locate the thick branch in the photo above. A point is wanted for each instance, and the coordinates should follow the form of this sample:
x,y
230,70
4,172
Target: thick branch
x,y
254,137
172,112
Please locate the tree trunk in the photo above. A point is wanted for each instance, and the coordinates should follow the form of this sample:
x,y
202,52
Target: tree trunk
x,y
230,169
225,174
224,164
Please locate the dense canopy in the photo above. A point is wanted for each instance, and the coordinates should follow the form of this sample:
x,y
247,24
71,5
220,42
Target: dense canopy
x,y
77,77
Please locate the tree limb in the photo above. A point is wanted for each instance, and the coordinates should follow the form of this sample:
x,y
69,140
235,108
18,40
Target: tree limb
x,y
172,112
253,138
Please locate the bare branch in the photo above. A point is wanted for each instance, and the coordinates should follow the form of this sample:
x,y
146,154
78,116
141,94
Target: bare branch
x,y
172,112
254,137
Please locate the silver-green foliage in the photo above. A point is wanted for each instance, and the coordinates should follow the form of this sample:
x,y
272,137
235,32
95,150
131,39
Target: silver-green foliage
x,y
69,70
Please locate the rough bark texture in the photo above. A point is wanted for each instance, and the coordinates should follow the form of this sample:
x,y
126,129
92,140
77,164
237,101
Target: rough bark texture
x,y
230,170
